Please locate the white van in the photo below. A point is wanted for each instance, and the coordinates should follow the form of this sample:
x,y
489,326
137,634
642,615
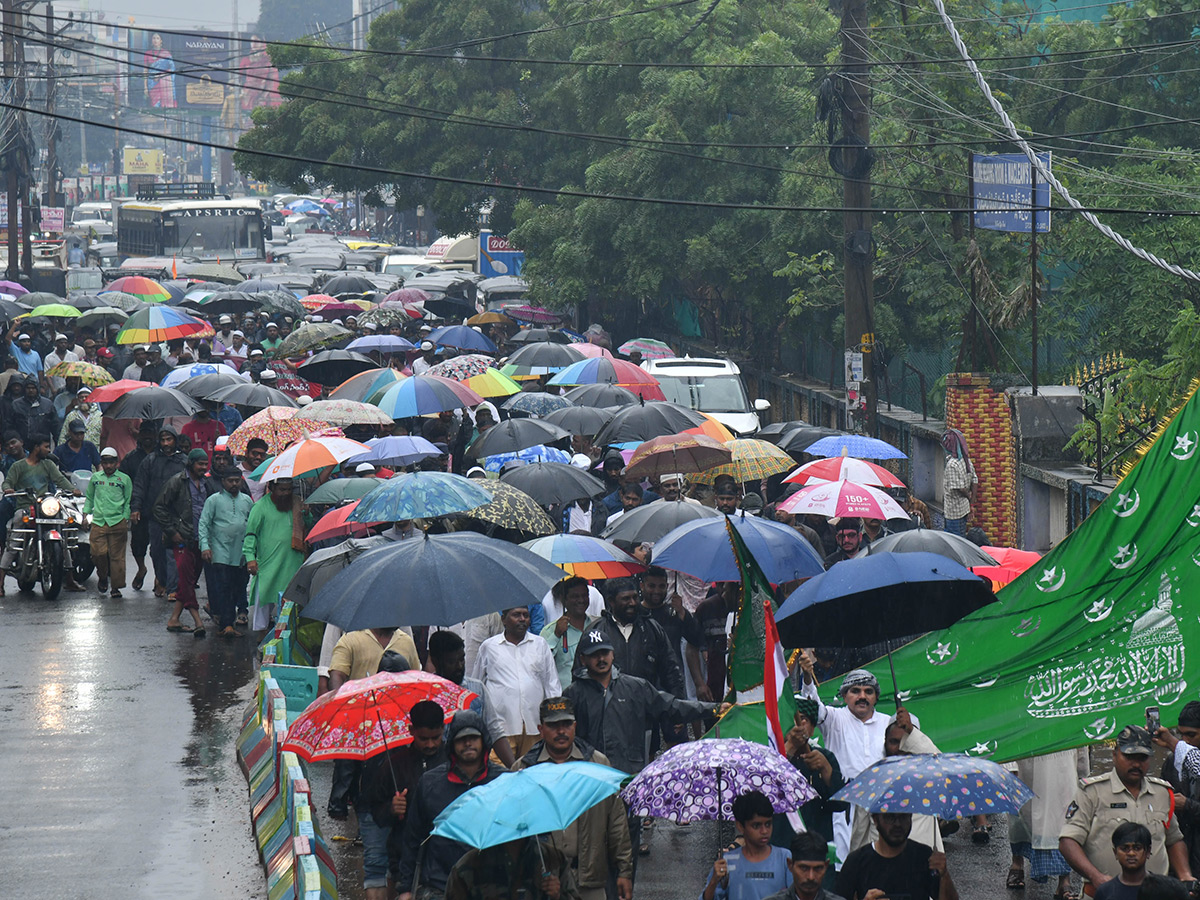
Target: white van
x,y
97,217
712,386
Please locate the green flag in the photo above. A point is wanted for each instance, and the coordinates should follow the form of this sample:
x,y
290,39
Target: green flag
x,y
748,655
1085,640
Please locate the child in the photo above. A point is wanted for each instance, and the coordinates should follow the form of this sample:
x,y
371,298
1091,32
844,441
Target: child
x,y
756,869
1131,847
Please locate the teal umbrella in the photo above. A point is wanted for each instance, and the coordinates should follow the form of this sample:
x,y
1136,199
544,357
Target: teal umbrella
x,y
419,495
340,490
517,805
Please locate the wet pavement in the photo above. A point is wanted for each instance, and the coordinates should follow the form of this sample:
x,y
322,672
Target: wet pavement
x,y
120,778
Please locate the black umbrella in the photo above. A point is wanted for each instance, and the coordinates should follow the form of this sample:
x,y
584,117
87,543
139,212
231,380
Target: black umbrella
x,y
513,435
348,284
581,420
796,440
84,302
10,309
648,420
926,540
540,335
152,403
544,355
602,395
553,483
258,286
654,521
226,303
335,366
200,387
255,396
438,579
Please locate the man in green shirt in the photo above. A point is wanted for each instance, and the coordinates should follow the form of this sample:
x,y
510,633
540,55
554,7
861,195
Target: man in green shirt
x,y
274,549
563,634
222,533
108,496
35,474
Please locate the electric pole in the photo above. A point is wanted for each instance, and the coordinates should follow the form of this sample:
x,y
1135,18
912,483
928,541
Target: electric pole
x,y
859,248
23,149
52,124
10,142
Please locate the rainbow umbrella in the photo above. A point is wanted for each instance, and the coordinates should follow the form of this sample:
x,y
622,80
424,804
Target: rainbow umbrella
x,y
145,289
425,394
648,347
585,556
160,323
610,371
312,453
364,384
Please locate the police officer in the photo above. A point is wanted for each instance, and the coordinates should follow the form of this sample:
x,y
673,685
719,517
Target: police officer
x,y
1126,794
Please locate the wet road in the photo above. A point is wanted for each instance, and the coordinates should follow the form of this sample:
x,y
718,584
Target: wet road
x,y
120,780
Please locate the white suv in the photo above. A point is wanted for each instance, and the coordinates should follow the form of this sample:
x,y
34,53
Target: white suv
x,y
712,386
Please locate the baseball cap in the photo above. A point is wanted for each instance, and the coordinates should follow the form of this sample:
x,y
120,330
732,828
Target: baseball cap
x,y
1134,740
467,731
108,453
557,709
76,427
593,642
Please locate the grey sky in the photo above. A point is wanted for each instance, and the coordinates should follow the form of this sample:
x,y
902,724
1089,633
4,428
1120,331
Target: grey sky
x,y
171,14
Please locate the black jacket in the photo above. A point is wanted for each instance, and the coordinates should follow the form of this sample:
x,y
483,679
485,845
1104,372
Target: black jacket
x,y
152,474
617,725
34,417
437,789
389,772
646,654
173,508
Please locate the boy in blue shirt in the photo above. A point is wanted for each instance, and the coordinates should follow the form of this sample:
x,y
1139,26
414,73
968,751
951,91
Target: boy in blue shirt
x,y
756,869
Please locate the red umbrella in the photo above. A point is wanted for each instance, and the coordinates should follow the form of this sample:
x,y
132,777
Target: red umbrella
x,y
1010,563
110,392
844,468
843,498
334,524
368,715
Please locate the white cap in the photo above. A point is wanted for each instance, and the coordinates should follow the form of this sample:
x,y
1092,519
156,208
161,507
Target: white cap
x,y
581,461
317,318
471,472
239,333
24,337
337,322
304,400
674,476
370,326
272,325
363,467
109,453
83,392
426,346
256,352
222,442
59,337
225,320
268,375
425,329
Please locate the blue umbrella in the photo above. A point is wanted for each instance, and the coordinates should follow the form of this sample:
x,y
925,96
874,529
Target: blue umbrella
x,y
701,548
440,579
384,343
419,495
536,403
307,206
422,395
854,445
461,336
946,785
536,800
396,451
538,453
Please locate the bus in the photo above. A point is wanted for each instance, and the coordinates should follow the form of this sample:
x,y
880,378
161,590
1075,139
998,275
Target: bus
x,y
209,230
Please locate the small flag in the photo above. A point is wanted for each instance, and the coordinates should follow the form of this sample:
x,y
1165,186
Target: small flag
x,y
775,680
174,271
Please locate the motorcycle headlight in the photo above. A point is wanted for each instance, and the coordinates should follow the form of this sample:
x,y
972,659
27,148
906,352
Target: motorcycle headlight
x,y
51,506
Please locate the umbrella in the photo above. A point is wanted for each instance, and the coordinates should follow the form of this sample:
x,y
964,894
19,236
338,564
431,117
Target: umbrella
x,y
517,805
701,548
440,579
648,420
255,396
107,393
513,435
159,323
536,453
926,540
397,450
55,311
491,317
536,403
259,286
511,508
698,781
323,564
344,308
586,556
349,284
146,290
602,396
381,343
535,314
344,412
211,272
460,368
492,383
713,429
854,445
462,337
335,524
844,468
364,384
581,420
540,358
232,303
752,461
340,490
181,375
41,298
370,714
677,453
610,371
1009,563
277,303
121,299
101,317
334,366
420,495
425,394
11,287
648,347
312,453
535,335
842,498
553,484
311,336
152,402
654,520
408,296
591,351
946,785
202,386
10,309
313,302
272,425
88,373
82,302
388,315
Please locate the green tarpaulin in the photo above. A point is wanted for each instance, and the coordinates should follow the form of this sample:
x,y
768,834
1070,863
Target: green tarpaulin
x,y
1080,644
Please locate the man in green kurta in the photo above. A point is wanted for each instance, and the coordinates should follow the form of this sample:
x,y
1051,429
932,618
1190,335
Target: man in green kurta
x,y
274,549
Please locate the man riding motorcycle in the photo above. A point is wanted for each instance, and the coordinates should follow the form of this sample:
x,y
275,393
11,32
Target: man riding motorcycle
x,y
35,474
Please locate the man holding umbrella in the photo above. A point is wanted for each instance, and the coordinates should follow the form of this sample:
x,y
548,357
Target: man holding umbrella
x,y
152,474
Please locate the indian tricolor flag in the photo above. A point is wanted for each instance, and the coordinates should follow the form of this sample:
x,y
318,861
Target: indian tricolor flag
x,y
775,680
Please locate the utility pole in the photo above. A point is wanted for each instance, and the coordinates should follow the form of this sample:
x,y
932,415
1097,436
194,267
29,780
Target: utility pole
x,y
10,137
23,148
859,248
52,124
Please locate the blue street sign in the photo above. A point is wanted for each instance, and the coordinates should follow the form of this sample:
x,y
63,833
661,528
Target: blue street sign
x,y
1001,187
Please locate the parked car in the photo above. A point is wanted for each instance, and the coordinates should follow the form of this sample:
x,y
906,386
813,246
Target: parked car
x,y
712,386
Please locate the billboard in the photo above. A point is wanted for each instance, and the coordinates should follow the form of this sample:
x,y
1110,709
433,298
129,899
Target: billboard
x,y
143,162
54,218
199,70
1001,185
497,256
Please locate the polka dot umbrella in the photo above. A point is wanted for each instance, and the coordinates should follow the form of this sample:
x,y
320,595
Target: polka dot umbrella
x,y
946,785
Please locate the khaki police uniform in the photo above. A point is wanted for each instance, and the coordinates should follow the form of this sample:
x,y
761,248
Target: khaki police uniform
x,y
1102,803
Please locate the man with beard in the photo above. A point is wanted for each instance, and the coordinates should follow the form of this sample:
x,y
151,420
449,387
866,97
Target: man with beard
x,y
641,647
152,474
895,867
274,549
808,866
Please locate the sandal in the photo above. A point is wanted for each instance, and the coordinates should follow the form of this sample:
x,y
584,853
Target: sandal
x,y
178,629
198,632
1067,894
1016,879
138,579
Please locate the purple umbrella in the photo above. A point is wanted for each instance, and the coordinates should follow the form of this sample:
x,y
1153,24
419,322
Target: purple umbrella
x,y
11,287
699,780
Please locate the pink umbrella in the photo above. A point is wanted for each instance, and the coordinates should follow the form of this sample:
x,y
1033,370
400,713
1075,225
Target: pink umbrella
x,y
11,287
843,498
844,468
407,296
592,350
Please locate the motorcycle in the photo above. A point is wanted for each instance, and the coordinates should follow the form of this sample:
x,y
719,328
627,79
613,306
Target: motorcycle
x,y
44,534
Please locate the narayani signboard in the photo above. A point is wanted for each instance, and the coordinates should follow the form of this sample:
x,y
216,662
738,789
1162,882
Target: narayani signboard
x,y
1001,190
